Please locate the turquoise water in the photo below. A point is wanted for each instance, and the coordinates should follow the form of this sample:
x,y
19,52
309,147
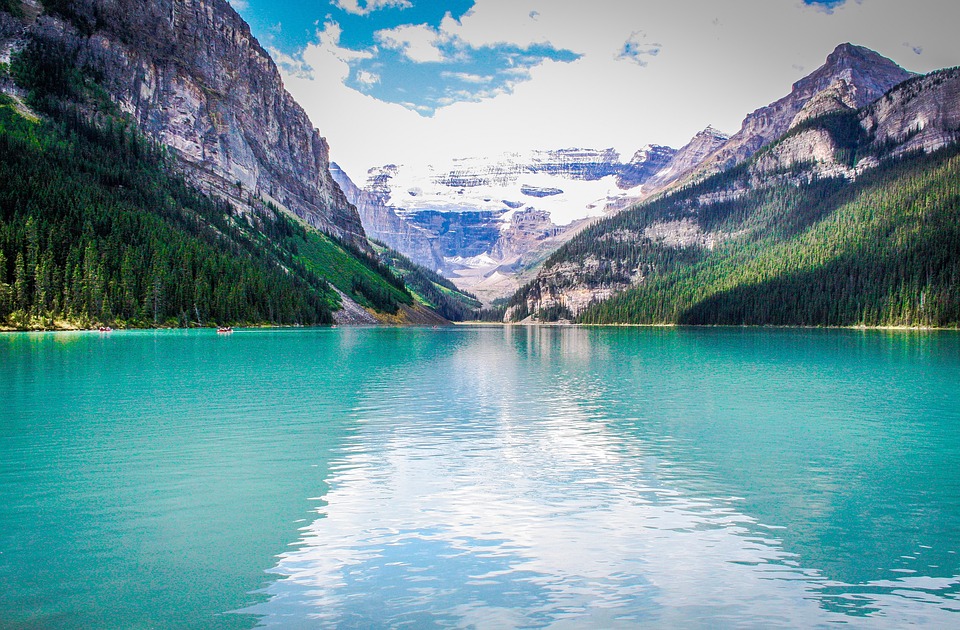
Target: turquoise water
x,y
480,477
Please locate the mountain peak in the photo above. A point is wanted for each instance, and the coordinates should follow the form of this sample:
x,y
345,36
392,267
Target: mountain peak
x,y
868,73
848,54
852,51
712,132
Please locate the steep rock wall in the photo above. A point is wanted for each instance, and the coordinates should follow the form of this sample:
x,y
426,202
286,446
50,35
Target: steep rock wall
x,y
195,79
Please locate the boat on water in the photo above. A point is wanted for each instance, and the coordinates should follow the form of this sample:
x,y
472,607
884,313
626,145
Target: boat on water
x,y
225,329
105,329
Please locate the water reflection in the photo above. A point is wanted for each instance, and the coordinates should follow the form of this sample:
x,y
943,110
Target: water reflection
x,y
543,477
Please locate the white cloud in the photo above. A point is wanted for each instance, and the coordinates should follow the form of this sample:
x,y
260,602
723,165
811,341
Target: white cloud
x,y
369,6
419,43
719,61
367,78
239,5
466,77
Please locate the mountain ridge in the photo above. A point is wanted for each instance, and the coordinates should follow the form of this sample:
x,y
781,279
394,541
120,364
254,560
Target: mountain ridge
x,y
866,75
850,77
182,184
674,233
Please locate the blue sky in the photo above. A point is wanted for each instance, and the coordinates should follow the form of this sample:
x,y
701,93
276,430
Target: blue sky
x,y
412,80
405,59
404,71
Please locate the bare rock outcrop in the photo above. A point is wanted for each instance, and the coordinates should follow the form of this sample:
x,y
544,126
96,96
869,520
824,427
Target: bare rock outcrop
x,y
381,222
923,114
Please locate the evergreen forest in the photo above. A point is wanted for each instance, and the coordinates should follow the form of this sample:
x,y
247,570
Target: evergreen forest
x,y
98,228
883,250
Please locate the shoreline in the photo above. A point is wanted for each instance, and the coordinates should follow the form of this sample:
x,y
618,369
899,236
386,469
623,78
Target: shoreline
x,y
706,326
482,324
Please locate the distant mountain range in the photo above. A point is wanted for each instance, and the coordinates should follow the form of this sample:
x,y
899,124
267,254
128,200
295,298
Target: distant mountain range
x,y
487,222
479,220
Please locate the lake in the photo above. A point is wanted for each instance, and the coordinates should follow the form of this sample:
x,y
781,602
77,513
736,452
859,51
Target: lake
x,y
480,477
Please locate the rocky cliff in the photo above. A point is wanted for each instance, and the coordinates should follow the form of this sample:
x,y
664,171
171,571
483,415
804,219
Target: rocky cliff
x,y
195,79
852,76
381,222
922,114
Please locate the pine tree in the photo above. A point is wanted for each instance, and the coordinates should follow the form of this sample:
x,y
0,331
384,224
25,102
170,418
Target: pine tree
x,y
21,299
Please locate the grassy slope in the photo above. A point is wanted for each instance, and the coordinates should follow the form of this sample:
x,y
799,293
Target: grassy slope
x,y
431,289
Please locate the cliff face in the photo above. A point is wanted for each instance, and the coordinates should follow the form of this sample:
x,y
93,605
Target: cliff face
x,y
852,76
923,114
196,80
381,222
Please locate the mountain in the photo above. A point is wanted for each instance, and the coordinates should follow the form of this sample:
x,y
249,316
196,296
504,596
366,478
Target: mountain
x,y
462,218
849,217
645,164
192,76
688,158
482,220
851,77
381,222
154,172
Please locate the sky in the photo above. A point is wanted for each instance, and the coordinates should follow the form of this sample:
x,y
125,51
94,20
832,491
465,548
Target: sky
x,y
418,82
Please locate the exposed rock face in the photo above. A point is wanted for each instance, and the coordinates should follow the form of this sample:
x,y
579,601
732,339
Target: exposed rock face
x,y
923,114
196,80
814,148
836,98
527,229
687,158
644,165
536,191
460,234
852,75
381,222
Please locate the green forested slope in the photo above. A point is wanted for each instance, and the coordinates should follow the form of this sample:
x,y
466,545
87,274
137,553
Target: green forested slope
x,y
97,227
884,250
433,290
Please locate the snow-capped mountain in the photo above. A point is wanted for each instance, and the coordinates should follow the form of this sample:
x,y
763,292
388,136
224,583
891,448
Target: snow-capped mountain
x,y
478,220
569,184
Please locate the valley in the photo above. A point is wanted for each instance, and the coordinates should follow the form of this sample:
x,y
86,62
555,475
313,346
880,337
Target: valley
x,y
568,234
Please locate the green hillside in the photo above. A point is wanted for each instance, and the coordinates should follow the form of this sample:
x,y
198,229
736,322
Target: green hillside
x,y
883,251
431,289
97,228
